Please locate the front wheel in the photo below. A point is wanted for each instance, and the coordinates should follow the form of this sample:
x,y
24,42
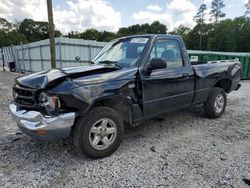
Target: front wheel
x,y
216,103
99,133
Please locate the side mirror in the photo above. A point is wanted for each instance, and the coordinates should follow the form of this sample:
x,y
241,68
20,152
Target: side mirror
x,y
158,63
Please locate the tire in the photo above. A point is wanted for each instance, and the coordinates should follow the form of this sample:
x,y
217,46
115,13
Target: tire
x,y
216,103
93,138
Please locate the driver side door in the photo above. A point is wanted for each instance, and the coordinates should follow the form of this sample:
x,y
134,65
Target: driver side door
x,y
169,88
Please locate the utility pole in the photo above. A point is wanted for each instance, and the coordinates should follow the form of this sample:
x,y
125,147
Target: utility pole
x,y
247,5
51,34
2,59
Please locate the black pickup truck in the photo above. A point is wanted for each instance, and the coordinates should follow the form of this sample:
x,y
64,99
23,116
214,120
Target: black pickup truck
x,y
131,79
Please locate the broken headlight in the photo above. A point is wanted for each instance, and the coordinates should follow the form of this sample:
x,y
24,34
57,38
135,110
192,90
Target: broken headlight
x,y
50,103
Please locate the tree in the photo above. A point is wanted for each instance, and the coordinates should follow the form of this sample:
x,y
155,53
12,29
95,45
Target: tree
x,y
93,34
241,34
216,12
73,34
247,5
230,35
9,34
106,36
131,30
193,38
11,38
222,38
157,28
35,30
7,26
226,35
90,34
182,31
200,16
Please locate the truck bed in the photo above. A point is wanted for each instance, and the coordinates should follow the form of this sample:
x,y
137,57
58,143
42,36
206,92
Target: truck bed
x,y
212,62
208,74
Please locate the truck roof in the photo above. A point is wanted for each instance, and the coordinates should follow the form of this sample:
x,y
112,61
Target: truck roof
x,y
154,35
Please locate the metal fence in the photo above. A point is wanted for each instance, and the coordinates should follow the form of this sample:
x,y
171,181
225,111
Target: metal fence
x,y
35,56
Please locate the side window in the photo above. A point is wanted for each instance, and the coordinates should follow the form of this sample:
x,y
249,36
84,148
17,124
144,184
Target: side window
x,y
168,50
140,49
123,53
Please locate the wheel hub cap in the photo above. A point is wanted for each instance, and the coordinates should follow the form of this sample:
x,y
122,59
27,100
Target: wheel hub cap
x,y
219,103
102,134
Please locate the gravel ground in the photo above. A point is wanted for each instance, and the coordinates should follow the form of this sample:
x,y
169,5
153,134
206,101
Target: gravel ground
x,y
181,149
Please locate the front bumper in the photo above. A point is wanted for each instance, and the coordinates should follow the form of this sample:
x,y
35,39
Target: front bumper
x,y
39,126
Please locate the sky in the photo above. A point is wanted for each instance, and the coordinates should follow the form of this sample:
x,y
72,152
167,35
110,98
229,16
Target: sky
x,y
110,15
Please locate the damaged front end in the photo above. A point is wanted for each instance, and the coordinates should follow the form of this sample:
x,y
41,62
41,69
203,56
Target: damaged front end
x,y
39,115
44,112
40,126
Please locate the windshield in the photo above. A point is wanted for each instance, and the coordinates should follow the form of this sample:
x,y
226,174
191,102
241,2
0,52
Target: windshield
x,y
124,52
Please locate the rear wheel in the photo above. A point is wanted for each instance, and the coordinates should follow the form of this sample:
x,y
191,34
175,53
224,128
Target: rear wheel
x,y
216,103
99,133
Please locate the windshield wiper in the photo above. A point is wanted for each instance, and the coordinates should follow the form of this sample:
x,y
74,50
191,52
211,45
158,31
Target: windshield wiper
x,y
110,62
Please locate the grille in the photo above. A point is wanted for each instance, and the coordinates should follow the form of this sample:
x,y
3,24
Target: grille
x,y
24,97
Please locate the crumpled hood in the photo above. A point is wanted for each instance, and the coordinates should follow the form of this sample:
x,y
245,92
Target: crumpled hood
x,y
49,78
